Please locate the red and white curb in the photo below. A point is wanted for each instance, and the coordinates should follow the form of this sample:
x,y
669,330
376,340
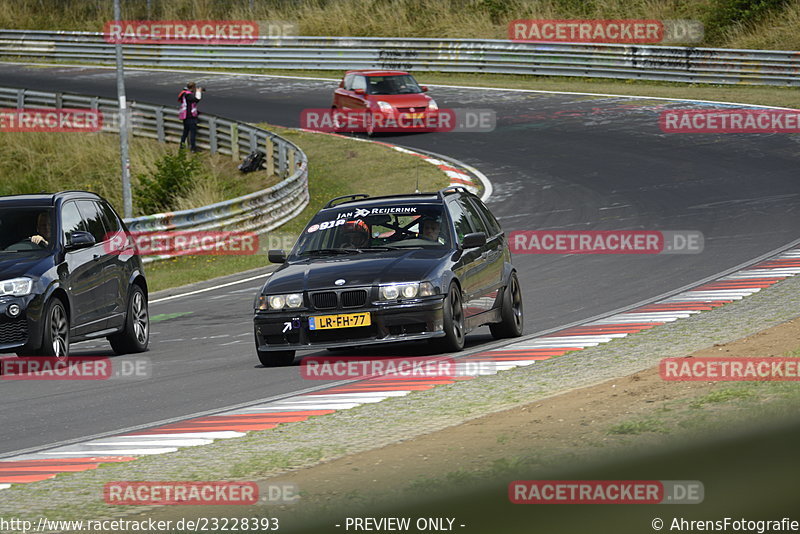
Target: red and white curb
x,y
236,423
458,173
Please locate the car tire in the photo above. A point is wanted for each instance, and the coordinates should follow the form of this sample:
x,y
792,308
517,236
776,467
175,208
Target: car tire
x,y
280,358
512,318
135,335
55,340
452,321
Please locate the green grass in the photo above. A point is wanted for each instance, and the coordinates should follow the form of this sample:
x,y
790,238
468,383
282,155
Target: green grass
x,y
35,162
637,427
722,396
337,167
728,23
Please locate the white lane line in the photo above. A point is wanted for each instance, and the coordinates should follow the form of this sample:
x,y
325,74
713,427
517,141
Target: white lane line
x,y
604,338
4,486
535,344
231,343
301,406
114,452
152,443
198,291
212,435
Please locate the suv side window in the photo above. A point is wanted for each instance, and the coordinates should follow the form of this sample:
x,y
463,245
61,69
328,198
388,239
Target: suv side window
x,y
71,220
491,221
359,82
461,220
110,219
474,217
93,218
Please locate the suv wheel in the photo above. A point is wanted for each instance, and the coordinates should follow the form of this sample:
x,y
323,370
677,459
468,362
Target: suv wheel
x,y
279,358
511,316
56,330
453,323
135,336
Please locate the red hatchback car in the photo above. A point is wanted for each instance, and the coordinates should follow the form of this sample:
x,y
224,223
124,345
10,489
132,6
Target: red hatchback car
x,y
391,100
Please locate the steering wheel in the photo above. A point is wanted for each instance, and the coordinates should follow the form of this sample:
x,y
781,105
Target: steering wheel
x,y
25,244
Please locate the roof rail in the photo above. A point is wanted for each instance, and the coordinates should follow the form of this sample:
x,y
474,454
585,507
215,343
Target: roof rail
x,y
454,188
349,198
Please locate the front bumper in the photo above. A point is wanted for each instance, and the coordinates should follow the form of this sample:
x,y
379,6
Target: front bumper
x,y
409,321
15,331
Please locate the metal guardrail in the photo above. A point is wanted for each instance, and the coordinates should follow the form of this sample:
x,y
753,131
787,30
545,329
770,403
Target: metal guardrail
x,y
640,62
261,211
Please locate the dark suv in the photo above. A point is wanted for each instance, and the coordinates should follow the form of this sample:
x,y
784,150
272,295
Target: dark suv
x,y
384,269
68,273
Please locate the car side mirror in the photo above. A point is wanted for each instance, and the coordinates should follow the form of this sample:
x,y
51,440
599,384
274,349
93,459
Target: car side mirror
x,y
359,91
424,88
276,256
478,239
79,239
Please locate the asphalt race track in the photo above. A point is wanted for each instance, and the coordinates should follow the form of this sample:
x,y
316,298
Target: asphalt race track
x,y
556,161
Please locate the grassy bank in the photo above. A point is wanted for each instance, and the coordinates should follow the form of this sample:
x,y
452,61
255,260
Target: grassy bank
x,y
35,162
768,24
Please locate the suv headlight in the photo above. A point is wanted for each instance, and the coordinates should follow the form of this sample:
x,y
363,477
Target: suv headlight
x,y
278,302
17,287
405,291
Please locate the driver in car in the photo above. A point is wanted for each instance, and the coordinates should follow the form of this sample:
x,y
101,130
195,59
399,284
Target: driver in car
x,y
42,230
356,234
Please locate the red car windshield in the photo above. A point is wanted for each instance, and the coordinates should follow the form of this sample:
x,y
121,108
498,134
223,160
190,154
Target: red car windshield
x,y
398,84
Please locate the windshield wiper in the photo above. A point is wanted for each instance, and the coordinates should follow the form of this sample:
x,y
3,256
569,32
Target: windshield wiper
x,y
329,251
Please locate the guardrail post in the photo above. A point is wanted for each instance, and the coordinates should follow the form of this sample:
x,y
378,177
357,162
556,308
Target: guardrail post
x,y
234,141
253,141
270,150
20,98
160,125
291,168
95,102
212,134
282,159
59,101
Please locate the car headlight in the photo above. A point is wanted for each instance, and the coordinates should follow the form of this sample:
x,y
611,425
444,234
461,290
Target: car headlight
x,y
278,302
385,106
432,105
406,291
17,287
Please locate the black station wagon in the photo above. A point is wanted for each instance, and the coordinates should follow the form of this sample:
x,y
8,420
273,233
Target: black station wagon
x,y
62,280
384,269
